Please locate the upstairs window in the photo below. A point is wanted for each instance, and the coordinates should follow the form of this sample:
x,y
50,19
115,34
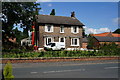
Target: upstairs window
x,y
48,28
61,29
75,29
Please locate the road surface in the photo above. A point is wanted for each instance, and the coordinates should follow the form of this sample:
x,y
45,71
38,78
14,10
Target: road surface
x,y
72,69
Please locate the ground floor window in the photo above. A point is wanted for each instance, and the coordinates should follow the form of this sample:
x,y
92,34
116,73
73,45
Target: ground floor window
x,y
74,41
61,39
48,40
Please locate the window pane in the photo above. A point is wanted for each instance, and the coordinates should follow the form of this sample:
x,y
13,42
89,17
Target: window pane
x,y
49,40
61,39
75,41
72,41
49,28
75,29
46,41
61,29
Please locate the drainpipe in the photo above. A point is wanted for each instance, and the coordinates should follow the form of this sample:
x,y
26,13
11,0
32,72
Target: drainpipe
x,y
33,34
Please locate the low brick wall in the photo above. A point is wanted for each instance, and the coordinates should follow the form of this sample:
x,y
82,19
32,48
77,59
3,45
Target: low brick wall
x,y
55,59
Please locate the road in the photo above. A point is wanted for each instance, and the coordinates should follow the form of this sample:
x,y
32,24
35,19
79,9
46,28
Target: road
x,y
72,69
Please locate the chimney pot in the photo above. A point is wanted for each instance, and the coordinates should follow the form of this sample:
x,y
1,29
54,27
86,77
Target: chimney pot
x,y
73,14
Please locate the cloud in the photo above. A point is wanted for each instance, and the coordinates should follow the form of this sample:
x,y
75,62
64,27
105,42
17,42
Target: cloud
x,y
49,5
43,0
116,20
95,31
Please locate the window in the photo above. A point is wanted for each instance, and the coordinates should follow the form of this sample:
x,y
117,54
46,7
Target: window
x,y
61,39
75,29
48,40
61,29
74,41
48,28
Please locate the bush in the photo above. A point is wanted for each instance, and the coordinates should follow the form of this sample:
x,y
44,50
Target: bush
x,y
7,72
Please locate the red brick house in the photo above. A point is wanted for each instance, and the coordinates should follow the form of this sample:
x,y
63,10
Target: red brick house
x,y
108,38
59,29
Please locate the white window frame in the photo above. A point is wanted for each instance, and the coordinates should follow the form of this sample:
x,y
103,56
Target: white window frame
x,y
47,40
72,29
60,39
62,28
46,28
77,42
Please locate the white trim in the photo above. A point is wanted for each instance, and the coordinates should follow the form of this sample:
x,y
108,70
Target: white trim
x,y
77,42
40,48
63,29
72,31
62,37
72,48
46,29
47,40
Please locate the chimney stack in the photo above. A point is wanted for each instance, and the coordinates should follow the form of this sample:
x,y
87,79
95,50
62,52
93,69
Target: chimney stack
x,y
73,14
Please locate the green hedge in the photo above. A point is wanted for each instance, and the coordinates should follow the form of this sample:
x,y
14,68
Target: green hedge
x,y
60,54
105,50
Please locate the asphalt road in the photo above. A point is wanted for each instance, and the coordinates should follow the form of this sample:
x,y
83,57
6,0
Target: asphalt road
x,y
73,69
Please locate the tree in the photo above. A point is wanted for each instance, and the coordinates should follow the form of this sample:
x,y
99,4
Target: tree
x,y
90,42
18,13
25,33
117,31
83,33
52,12
19,35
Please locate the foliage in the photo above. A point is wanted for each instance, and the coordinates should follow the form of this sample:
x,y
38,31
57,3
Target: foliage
x,y
22,13
18,12
106,50
109,49
52,12
83,33
90,42
18,35
7,72
15,51
117,31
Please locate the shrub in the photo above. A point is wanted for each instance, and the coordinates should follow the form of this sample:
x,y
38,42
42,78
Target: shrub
x,y
7,72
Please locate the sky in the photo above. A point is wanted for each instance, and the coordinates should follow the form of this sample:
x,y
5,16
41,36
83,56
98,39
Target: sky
x,y
98,17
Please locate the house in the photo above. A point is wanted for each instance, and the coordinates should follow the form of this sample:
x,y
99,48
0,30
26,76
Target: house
x,y
107,34
59,29
26,42
108,38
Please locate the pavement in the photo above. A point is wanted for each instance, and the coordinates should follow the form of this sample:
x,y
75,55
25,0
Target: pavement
x,y
68,69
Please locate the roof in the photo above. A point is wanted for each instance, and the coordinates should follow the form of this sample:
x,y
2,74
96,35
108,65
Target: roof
x,y
107,34
26,39
51,19
85,40
107,39
116,35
